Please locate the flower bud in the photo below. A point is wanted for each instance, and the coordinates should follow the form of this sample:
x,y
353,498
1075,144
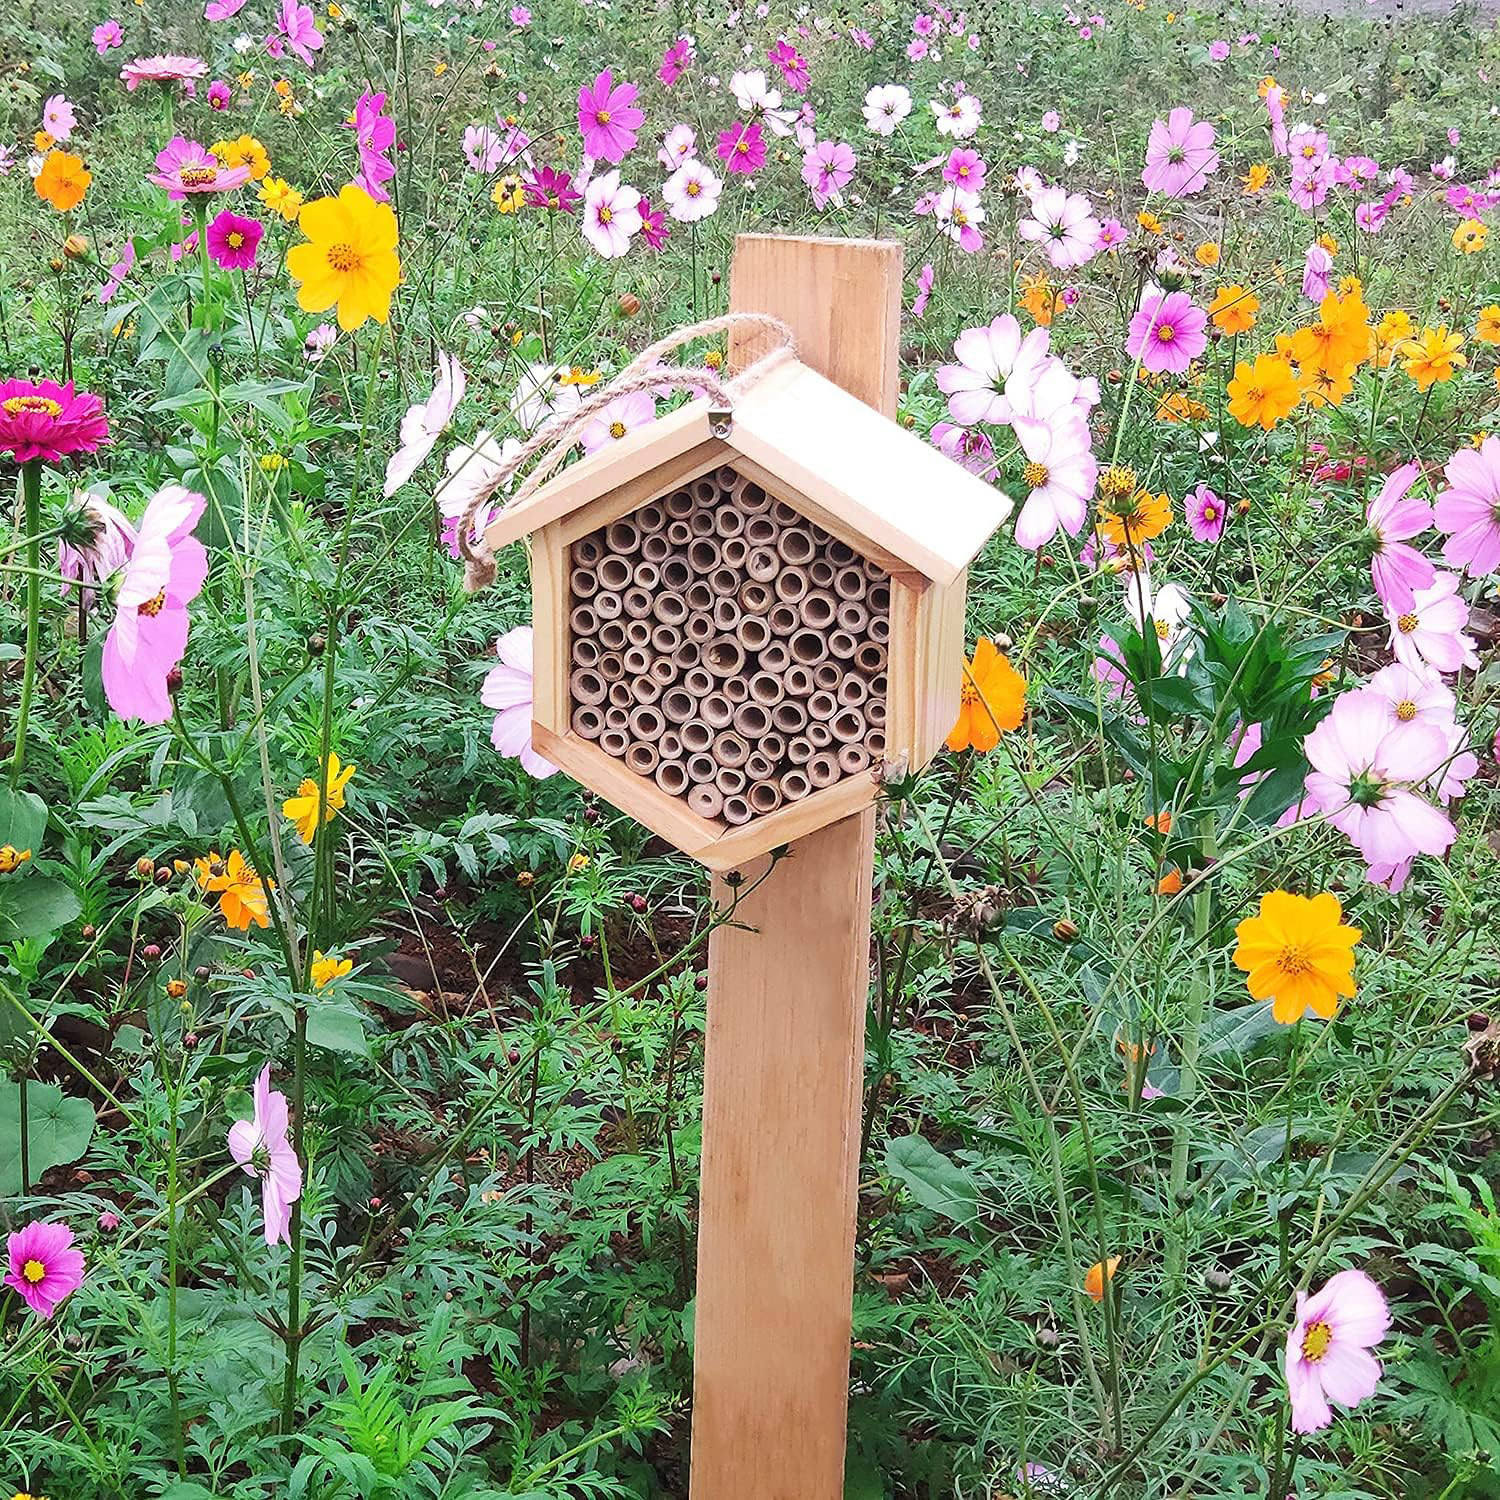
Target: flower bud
x,y
144,868
629,304
177,988
75,247
151,951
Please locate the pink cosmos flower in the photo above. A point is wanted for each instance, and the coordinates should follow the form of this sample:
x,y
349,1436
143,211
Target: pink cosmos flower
x,y
222,10
925,278
826,169
58,118
964,168
1180,155
109,1220
117,273
166,570
678,145
1206,514
653,225
692,192
676,60
261,1147
167,68
1432,630
219,96
1276,114
1111,233
1307,146
297,28
520,16
742,148
790,62
1167,333
1317,273
1363,779
376,133
611,215
508,689
623,415
1059,475
44,1266
1309,187
1063,223
1412,695
1327,1348
959,119
424,422
233,241
886,106
41,419
103,548
185,169
552,189
1396,568
608,118
971,449
107,34
1218,51
959,213
1469,509
995,364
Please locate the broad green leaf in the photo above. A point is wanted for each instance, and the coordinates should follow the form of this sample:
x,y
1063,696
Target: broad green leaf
x,y
933,1180
58,1130
33,905
23,819
338,1026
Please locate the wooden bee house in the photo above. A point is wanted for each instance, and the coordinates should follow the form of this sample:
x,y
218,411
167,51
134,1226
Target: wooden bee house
x,y
737,614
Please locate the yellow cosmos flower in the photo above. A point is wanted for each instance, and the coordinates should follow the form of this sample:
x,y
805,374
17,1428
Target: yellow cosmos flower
x,y
1233,309
325,970
241,891
1264,392
508,194
11,858
281,198
350,261
1254,181
1469,237
1432,357
1207,254
1149,222
244,152
303,809
1487,326
1298,954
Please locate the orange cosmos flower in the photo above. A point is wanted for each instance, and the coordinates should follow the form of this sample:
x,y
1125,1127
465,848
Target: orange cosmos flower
x,y
242,893
992,699
1487,326
1233,309
1263,393
1099,1272
63,181
1298,954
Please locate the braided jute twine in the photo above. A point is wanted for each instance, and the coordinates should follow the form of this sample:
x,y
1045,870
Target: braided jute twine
x,y
645,372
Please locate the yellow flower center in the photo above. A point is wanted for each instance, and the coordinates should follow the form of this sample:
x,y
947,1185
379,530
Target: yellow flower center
x,y
32,406
34,1271
342,257
197,176
602,117
693,189
743,148
1166,333
606,214
960,217
1406,624
1035,475
968,694
617,429
1406,710
153,606
1316,1340
1163,629
236,240
1292,961
1210,512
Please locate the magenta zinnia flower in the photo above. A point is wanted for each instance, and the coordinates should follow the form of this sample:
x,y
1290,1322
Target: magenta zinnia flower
x,y
165,68
608,118
376,133
261,1147
185,169
1168,333
1396,568
41,419
742,148
508,688
166,570
1327,1356
1469,509
233,241
44,1267
1180,155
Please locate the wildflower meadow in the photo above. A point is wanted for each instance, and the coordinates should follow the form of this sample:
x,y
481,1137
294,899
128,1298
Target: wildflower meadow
x,y
352,1053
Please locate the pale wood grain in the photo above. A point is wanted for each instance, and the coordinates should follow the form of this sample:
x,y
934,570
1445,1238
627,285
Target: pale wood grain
x,y
550,643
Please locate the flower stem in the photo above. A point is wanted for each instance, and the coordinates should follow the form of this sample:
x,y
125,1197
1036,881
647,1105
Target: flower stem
x,y
31,493
292,1335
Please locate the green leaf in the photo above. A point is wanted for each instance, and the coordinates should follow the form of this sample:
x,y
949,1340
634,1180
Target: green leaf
x,y
862,1479
31,906
1231,1033
338,1026
933,1180
23,819
58,1130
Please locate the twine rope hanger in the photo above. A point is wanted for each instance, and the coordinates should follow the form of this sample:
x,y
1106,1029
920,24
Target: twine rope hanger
x,y
645,372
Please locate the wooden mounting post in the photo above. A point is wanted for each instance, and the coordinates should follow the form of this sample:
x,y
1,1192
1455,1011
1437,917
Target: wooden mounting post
x,y
786,1021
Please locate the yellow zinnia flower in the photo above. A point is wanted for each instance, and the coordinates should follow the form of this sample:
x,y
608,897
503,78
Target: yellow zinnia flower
x,y
1298,954
350,260
304,807
325,970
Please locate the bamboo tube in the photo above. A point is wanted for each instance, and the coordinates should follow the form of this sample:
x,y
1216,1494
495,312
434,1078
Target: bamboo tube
x,y
583,583
687,656
670,745
736,689
728,521
807,647
637,659
621,695
879,685
796,546
656,547
840,554
765,688
699,627
799,750
772,745
760,765
585,652
794,785
822,770
678,705
784,515
730,780
706,800
582,619
850,583
701,523
875,743
698,681
636,603
614,742
853,759
638,633
873,571
726,615
676,574
818,610
704,555
762,564
645,687
784,620
751,631
642,758
672,777
734,552
869,658
736,811
773,657
827,676
701,768
764,796
696,736
756,598
649,518
879,596
760,532
789,717
622,536
646,575
587,686
821,571
753,500
678,505
799,680
608,605
822,706
716,711
665,639
792,584
853,617
843,645
724,656
819,735
588,550
670,609
751,720
647,722
610,667
879,629
679,533
849,726
587,722
617,718
700,598
730,749
727,478
612,635
725,583
875,712
853,691
705,491
663,673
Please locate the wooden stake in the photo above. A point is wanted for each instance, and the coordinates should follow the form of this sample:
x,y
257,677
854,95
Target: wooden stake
x,y
786,1018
